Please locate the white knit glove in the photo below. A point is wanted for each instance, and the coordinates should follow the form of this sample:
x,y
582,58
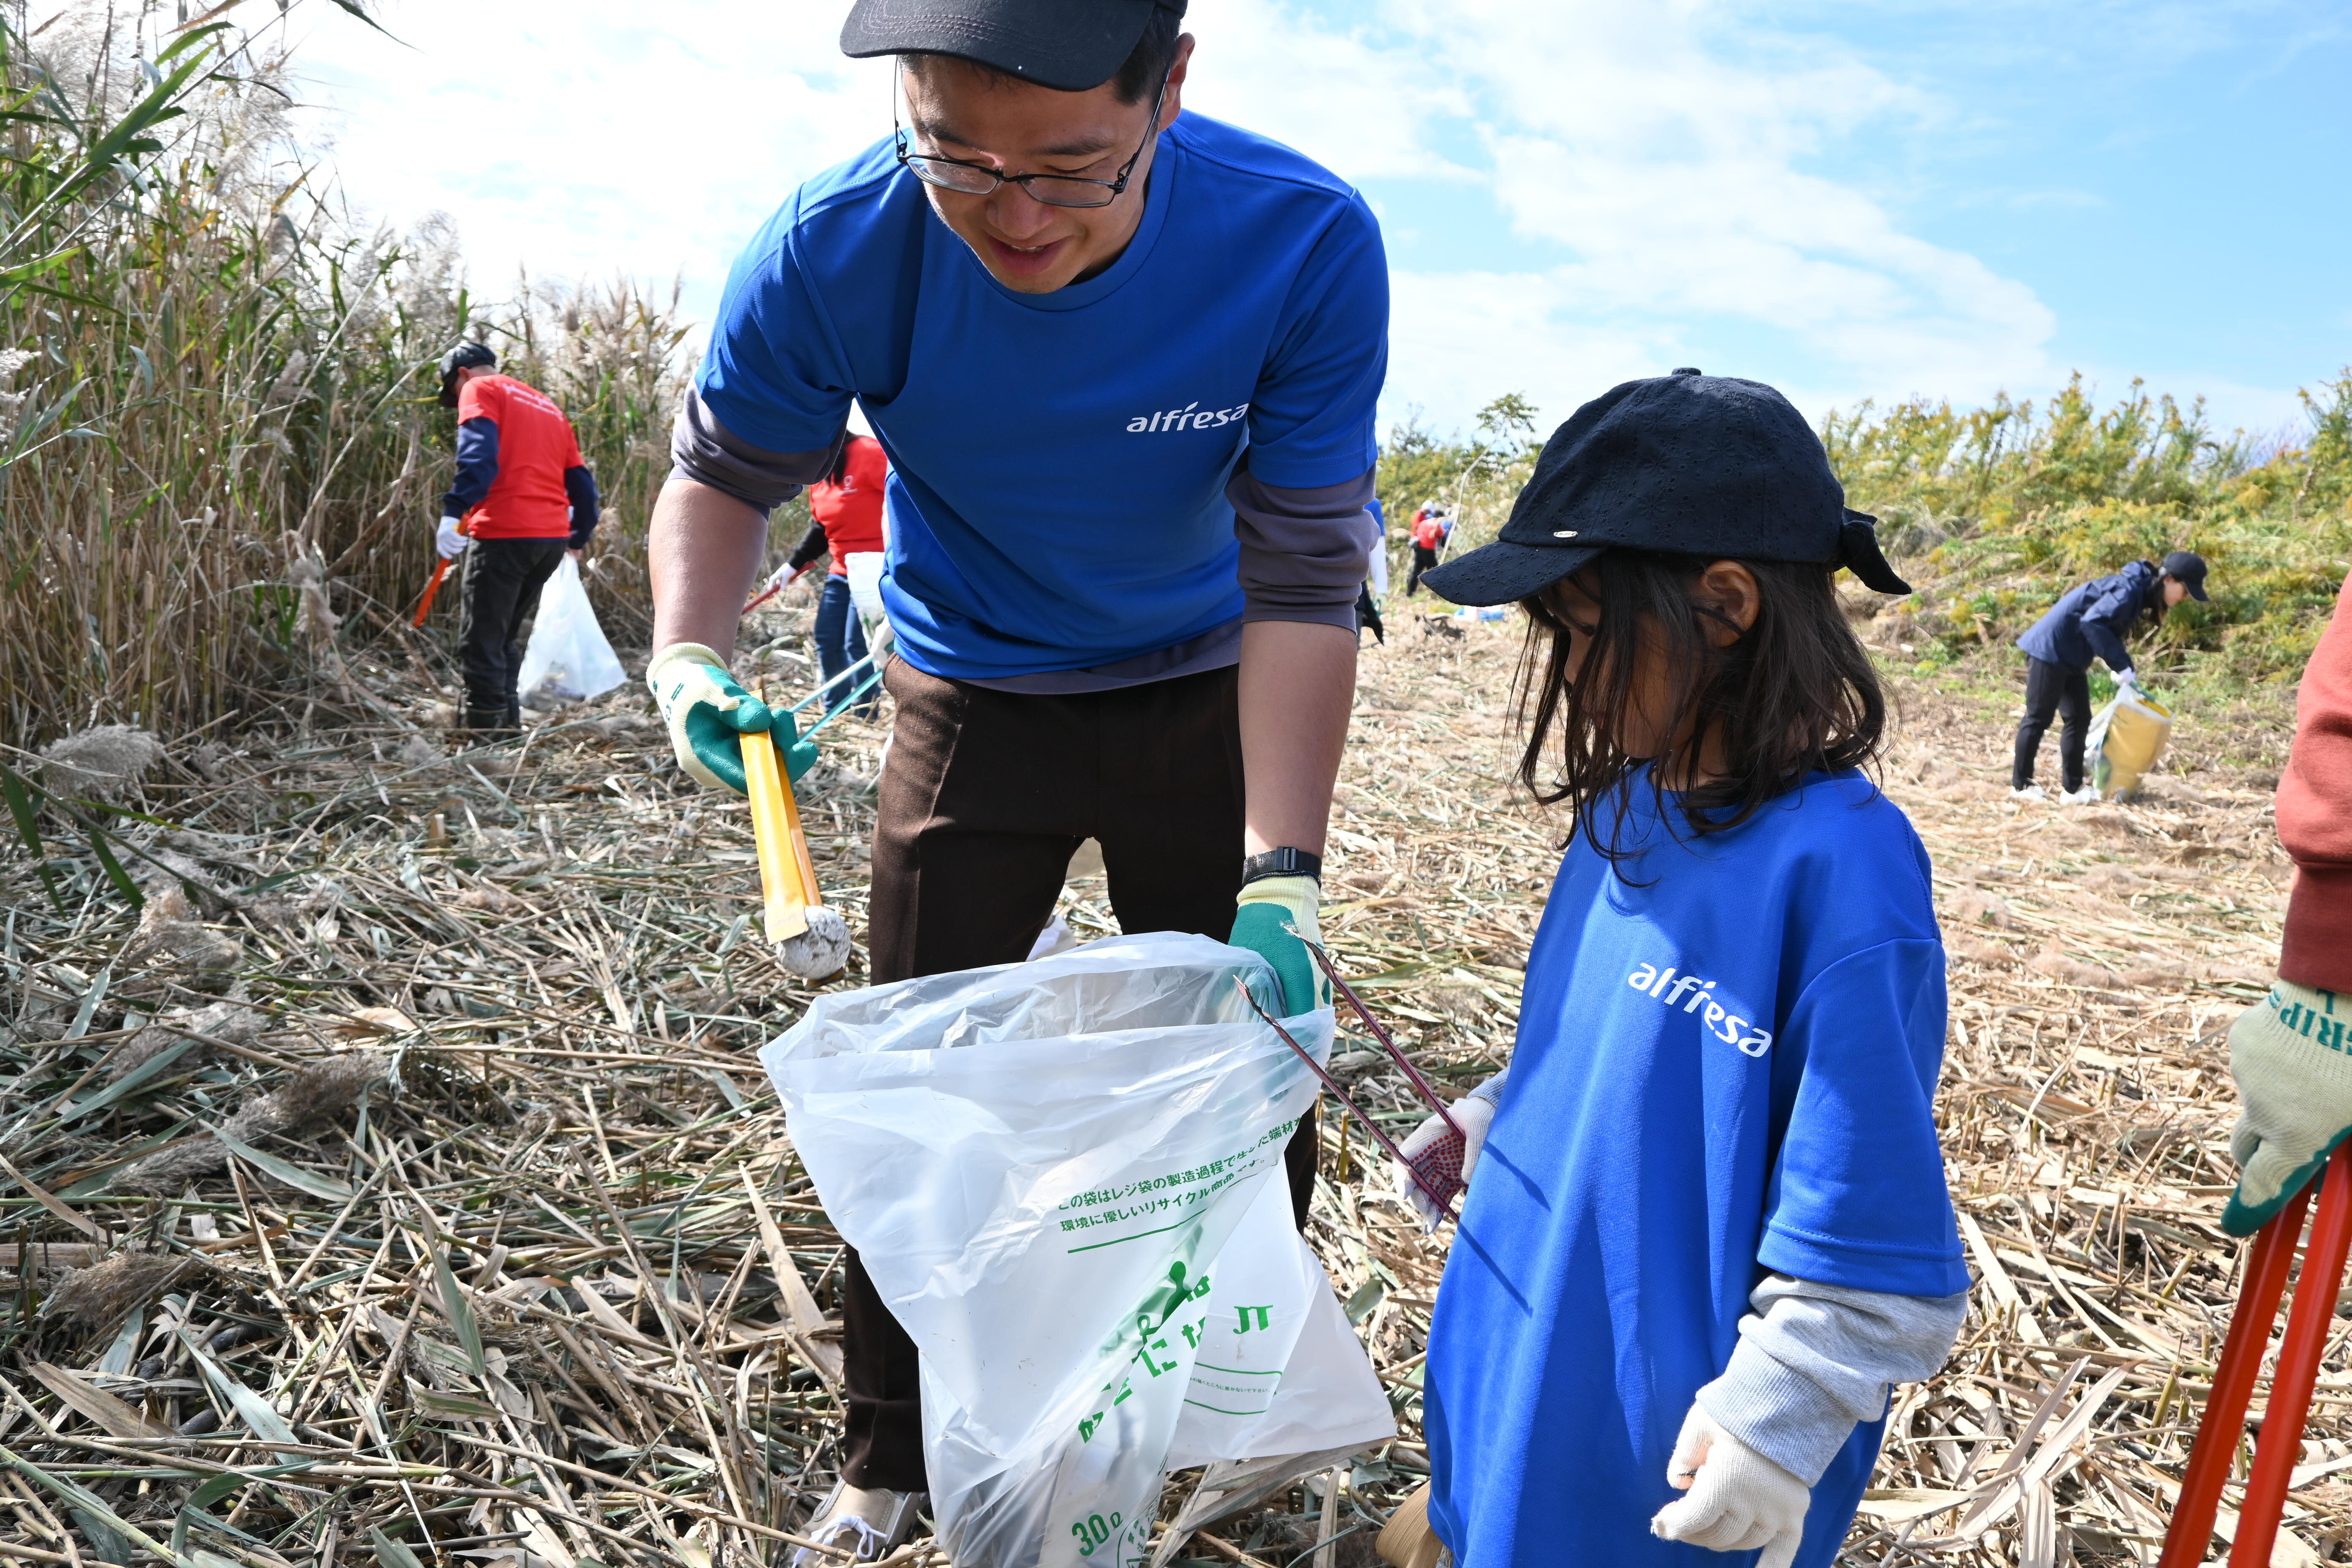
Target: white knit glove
x,y
1443,1159
448,540
2288,1053
1735,1499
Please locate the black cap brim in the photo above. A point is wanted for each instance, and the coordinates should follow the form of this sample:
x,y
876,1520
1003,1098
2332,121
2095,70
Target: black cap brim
x,y
1503,572
1068,44
2196,590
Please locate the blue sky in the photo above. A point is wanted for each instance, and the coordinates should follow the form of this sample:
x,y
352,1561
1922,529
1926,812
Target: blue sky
x,y
1848,199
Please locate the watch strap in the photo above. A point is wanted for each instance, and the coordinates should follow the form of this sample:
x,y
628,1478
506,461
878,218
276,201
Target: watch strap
x,y
1283,862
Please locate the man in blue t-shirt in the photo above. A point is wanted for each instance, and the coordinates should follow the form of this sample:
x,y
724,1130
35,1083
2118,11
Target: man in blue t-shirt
x,y
1124,361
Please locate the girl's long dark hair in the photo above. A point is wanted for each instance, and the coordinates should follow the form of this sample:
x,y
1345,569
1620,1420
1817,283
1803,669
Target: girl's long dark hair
x,y
1795,694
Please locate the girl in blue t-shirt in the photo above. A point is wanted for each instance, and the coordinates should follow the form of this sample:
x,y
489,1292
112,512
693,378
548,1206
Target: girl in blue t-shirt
x,y
1707,1228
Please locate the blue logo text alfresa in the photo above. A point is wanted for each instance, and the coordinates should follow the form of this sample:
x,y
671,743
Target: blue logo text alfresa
x,y
1186,418
1693,994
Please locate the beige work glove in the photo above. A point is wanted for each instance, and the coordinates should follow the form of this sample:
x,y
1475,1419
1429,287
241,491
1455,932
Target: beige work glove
x,y
2289,1055
1735,1499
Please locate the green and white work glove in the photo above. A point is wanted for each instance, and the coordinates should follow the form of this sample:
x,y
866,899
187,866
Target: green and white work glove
x,y
1275,912
707,714
2292,1055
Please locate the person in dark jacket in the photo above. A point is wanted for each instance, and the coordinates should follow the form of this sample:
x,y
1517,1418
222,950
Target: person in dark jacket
x,y
522,497
2090,622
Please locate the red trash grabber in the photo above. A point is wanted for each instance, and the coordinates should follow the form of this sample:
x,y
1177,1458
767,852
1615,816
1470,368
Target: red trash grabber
x,y
2309,1320
425,606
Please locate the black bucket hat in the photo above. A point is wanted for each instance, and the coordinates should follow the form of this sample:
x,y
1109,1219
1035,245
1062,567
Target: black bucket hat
x,y
2190,568
465,356
1685,463
1072,45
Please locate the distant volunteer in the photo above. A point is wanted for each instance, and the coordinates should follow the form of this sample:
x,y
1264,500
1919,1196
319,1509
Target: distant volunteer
x,y
523,497
1431,528
1124,361
846,505
2092,622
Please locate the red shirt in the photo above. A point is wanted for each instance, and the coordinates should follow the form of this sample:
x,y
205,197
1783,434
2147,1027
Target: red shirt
x,y
851,511
536,444
1428,531
2315,813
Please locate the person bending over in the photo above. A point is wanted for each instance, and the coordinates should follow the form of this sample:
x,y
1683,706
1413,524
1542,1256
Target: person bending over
x,y
2092,622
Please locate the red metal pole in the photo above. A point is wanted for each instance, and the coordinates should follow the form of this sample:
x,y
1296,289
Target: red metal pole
x,y
2215,1449
2308,1323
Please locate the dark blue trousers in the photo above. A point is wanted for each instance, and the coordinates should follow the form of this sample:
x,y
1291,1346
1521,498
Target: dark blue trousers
x,y
840,643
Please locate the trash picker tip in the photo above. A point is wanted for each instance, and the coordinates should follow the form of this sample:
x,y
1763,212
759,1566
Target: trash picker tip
x,y
1340,1095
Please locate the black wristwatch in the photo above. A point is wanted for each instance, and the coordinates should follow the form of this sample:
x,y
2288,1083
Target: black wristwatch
x,y
1283,862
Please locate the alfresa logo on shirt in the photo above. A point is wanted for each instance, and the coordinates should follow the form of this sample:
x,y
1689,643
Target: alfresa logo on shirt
x,y
1192,416
1693,994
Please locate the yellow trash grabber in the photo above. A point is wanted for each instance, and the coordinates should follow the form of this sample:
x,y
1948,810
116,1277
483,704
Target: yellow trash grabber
x,y
810,941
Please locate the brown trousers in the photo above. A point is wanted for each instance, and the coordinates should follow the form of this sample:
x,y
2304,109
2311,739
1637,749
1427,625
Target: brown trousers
x,y
986,797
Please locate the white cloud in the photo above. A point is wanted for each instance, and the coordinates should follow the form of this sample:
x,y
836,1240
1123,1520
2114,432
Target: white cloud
x,y
1662,161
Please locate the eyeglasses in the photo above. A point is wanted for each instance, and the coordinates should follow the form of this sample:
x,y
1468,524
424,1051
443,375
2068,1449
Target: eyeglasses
x,y
1054,190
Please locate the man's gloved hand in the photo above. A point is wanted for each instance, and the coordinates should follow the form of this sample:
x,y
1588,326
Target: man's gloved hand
x,y
449,539
2127,680
1275,913
1443,1159
707,714
2289,1054
1735,1499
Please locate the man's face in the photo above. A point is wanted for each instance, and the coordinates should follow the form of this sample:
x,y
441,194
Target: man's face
x,y
958,111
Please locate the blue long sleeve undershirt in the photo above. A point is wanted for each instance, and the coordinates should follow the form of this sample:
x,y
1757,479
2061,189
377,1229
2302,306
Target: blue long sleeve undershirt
x,y
477,466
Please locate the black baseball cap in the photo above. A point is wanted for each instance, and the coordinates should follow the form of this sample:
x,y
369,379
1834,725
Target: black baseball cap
x,y
1684,463
465,356
2186,564
1072,45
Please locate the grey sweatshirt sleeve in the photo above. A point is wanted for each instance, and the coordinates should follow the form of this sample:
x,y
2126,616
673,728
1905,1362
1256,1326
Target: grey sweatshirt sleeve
x,y
1816,1361
1304,553
704,450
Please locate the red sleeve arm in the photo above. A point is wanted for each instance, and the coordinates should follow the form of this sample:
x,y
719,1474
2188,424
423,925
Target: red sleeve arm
x,y
2315,813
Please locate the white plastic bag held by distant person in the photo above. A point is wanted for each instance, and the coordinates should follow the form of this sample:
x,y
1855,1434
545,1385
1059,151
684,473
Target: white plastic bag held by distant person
x,y
568,654
1041,1165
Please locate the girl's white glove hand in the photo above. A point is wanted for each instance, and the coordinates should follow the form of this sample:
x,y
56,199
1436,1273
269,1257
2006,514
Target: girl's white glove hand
x,y
1443,1159
449,540
1737,1499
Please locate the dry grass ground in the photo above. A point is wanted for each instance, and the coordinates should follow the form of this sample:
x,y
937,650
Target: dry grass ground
x,y
505,1255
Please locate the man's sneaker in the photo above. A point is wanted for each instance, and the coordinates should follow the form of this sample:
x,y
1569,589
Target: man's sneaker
x,y
867,1524
2031,792
2086,795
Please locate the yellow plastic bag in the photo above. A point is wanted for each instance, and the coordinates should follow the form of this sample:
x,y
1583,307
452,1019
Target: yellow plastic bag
x,y
2126,737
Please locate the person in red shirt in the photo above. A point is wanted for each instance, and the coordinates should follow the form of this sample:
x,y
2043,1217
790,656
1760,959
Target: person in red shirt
x,y
522,498
847,506
2291,1053
1431,528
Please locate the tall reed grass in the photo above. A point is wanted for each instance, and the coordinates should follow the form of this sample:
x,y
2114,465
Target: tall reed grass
x,y
220,388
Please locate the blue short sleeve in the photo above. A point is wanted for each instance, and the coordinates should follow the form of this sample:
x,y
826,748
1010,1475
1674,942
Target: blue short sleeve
x,y
1312,422
1858,1196
776,376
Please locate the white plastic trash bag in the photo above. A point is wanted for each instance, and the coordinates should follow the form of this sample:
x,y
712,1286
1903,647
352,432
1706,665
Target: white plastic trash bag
x,y
568,654
1042,1166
